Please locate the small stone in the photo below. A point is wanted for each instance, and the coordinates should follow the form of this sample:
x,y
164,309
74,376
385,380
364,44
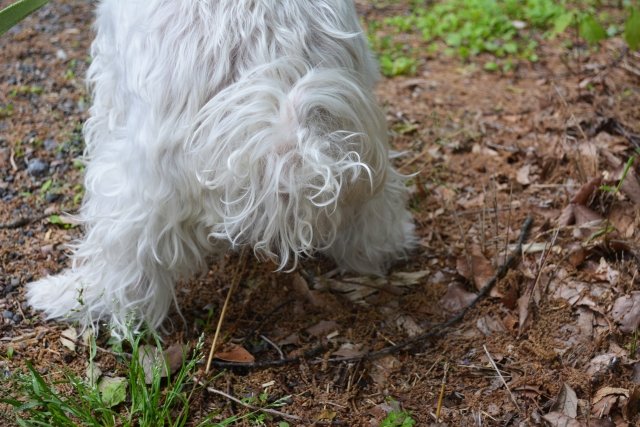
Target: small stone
x,y
7,314
52,197
50,144
15,281
61,55
37,167
17,318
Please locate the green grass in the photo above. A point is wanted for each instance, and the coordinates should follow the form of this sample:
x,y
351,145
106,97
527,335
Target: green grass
x,y
37,400
397,417
132,400
503,32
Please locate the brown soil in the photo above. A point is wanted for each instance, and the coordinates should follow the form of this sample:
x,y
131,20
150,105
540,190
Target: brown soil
x,y
487,149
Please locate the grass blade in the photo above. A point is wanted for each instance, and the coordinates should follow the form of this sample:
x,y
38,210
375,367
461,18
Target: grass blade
x,y
16,12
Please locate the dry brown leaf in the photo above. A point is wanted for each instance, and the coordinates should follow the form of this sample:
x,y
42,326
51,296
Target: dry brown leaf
x,y
566,402
586,191
235,353
558,419
630,186
585,216
523,311
382,370
601,363
456,298
522,176
577,255
322,328
567,216
624,220
409,326
473,202
175,356
151,358
348,350
489,325
608,398
588,158
478,270
626,312
68,338
635,377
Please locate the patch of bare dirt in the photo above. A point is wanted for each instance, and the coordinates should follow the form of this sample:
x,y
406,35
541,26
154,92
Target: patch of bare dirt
x,y
556,342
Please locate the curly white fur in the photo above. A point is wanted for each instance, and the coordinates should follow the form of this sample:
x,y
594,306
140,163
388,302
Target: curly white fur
x,y
225,123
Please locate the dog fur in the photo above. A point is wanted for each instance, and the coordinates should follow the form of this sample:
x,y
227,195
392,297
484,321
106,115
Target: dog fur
x,y
218,124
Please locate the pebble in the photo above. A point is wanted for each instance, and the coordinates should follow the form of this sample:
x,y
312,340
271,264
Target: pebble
x,y
7,314
15,281
37,167
61,55
52,197
50,144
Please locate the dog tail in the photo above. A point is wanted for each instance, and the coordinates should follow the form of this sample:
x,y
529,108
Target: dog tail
x,y
284,153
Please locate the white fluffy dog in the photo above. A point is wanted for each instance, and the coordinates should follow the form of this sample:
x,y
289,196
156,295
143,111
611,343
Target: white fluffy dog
x,y
218,124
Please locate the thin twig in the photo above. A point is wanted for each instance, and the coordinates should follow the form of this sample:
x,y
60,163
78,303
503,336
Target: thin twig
x,y
21,222
442,390
254,408
274,345
234,284
513,399
436,331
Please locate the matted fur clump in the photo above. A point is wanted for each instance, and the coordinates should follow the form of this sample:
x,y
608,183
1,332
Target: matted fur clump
x,y
218,124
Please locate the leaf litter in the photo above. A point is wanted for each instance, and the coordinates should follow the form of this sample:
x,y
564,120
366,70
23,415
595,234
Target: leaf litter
x,y
552,139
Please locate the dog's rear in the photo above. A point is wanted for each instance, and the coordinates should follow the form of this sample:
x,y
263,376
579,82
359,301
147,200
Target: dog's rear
x,y
239,121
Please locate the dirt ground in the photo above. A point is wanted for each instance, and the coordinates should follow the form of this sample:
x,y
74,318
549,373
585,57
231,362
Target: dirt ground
x,y
556,342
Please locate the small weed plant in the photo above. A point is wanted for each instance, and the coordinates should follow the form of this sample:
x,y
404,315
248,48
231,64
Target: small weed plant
x,y
39,401
146,399
504,31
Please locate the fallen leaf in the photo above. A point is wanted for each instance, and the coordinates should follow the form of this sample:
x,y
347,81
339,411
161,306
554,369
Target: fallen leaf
x,y
382,369
68,338
409,325
558,419
235,353
588,158
577,255
624,220
626,312
635,377
113,391
348,350
174,356
586,191
606,399
489,325
326,415
522,176
322,328
156,362
456,298
93,373
630,186
586,217
477,269
472,203
566,402
567,216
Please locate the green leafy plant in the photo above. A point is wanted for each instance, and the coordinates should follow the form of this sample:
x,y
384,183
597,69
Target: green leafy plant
x,y
504,31
39,401
17,11
398,419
